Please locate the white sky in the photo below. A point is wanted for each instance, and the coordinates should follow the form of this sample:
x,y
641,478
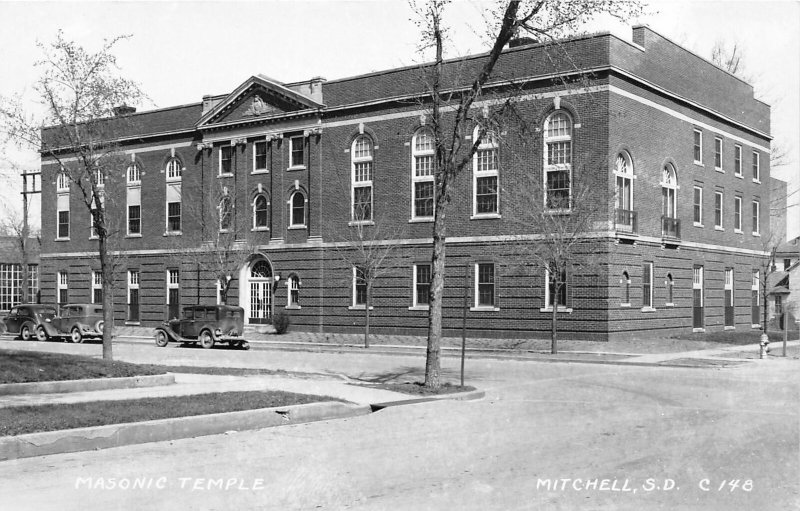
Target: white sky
x,y
183,50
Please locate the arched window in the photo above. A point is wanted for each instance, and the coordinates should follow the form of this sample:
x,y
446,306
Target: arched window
x,y
293,291
99,178
361,193
485,168
261,212
422,174
62,182
558,160
670,285
626,288
670,226
225,213
623,198
134,174
297,210
173,170
261,270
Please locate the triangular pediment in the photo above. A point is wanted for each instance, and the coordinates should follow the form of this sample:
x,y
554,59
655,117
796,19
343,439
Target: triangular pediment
x,y
258,97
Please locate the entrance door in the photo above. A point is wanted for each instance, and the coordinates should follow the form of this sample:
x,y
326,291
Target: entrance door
x,y
729,316
697,291
260,310
755,307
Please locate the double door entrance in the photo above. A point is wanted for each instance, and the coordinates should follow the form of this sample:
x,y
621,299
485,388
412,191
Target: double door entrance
x,y
259,300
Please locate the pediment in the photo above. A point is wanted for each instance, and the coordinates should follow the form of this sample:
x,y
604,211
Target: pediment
x,y
258,97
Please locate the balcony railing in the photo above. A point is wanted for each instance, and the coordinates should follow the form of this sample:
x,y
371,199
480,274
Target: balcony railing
x,y
670,227
626,221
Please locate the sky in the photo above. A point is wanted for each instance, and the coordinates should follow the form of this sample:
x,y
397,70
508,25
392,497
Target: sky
x,y
182,50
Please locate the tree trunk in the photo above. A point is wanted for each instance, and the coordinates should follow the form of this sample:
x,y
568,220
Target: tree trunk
x,y
554,322
366,317
432,363
108,297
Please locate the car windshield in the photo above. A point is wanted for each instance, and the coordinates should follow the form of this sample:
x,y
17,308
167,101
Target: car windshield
x,y
46,311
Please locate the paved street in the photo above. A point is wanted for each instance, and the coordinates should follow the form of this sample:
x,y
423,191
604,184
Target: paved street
x,y
624,437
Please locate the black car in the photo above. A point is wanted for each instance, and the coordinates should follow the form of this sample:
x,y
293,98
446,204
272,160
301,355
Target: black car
x,y
25,319
206,325
76,322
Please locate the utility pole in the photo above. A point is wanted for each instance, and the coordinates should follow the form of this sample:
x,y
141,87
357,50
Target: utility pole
x,y
29,187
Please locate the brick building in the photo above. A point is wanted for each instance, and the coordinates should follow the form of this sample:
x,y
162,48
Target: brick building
x,y
683,145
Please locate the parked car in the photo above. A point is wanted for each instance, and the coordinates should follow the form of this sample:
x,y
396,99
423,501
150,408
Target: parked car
x,y
26,318
206,325
76,322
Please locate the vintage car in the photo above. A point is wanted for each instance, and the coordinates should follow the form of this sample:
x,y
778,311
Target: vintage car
x,y
207,325
26,318
76,322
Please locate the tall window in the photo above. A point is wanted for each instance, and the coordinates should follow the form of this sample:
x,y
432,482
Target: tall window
x,y
296,152
173,217
33,283
261,212
669,184
225,159
718,201
484,285
134,174
225,214
173,170
422,285
718,153
756,217
698,206
293,291
624,182
260,156
485,176
737,160
173,293
755,294
647,285
63,287
422,173
97,287
134,219
555,286
558,160
62,182
94,211
359,287
626,288
133,295
173,196
698,146
361,192
99,178
756,166
297,210
62,205
737,214
670,287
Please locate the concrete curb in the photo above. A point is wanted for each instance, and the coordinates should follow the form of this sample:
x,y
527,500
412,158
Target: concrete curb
x,y
116,435
56,387
456,396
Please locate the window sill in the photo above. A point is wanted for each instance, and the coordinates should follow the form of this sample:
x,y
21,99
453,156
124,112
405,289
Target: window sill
x,y
292,308
696,224
260,229
420,220
729,328
698,330
296,227
561,308
94,237
61,239
740,176
484,308
648,309
227,174
718,228
132,323
419,308
757,181
738,231
260,171
354,223
296,167
557,211
669,304
755,327
133,236
173,233
719,170
485,216
699,164
625,305
359,307
173,180
757,234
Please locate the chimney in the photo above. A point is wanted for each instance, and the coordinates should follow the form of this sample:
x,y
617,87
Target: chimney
x,y
123,110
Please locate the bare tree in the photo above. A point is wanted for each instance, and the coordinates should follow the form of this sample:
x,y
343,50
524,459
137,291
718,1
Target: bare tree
x,y
544,21
80,132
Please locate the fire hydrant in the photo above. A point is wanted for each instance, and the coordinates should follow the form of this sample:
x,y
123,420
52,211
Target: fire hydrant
x,y
764,346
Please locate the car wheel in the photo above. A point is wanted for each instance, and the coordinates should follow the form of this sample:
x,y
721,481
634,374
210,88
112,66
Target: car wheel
x,y
161,339
25,333
41,335
99,326
244,345
206,341
75,335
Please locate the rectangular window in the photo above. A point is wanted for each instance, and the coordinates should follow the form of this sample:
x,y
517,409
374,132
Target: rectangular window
x,y
359,287
63,224
647,285
558,189
486,195
718,201
173,293
260,156
786,264
422,284
718,153
756,167
226,159
698,206
737,214
698,147
174,216
555,286
134,219
97,287
484,285
737,160
756,217
297,154
33,283
63,287
423,199
133,295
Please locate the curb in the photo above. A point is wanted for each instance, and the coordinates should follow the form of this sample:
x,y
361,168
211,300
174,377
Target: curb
x,y
456,396
117,435
55,387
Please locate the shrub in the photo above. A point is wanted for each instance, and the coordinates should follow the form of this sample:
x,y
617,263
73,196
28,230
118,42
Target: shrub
x,y
281,322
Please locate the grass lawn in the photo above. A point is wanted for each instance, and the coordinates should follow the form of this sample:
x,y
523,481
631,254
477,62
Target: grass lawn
x,y
418,389
32,366
31,419
733,337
